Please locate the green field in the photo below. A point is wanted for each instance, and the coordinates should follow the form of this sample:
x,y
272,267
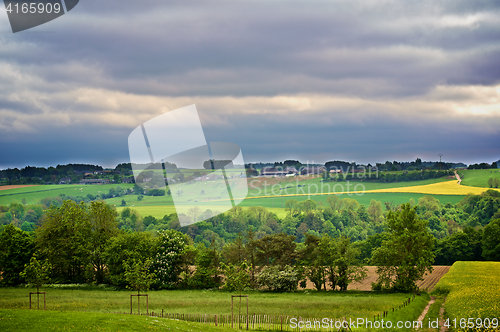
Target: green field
x,y
302,303
478,177
158,206
34,194
365,199
33,320
278,186
472,290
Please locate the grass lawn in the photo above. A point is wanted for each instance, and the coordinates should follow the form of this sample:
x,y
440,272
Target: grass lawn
x,y
34,320
478,177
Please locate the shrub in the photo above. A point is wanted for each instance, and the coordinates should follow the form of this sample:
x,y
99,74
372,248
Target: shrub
x,y
279,279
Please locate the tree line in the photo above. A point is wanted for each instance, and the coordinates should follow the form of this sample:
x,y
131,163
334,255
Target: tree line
x,y
335,217
83,243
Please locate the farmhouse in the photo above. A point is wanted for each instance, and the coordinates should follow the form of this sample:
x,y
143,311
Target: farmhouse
x,y
65,181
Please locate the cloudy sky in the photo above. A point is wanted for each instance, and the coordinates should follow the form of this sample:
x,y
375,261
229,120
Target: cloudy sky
x,y
364,81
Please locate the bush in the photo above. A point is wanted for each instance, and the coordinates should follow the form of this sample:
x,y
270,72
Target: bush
x,y
279,279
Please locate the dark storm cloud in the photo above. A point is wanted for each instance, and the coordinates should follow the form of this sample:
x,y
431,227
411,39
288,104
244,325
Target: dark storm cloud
x,y
321,80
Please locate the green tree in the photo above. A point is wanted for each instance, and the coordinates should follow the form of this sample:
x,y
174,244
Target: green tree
x,y
313,260
491,241
207,268
125,248
276,249
348,267
36,273
17,247
138,275
237,276
168,262
104,227
279,278
73,239
407,255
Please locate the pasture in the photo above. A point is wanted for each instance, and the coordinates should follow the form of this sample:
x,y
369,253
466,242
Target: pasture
x,y
25,320
34,194
478,177
307,303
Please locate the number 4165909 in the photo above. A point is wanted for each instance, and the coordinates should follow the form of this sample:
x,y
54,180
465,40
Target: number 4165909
x,y
33,8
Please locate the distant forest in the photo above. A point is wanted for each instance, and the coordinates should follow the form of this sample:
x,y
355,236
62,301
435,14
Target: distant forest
x,y
74,173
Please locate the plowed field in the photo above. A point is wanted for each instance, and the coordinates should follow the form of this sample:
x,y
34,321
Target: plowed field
x,y
430,280
16,186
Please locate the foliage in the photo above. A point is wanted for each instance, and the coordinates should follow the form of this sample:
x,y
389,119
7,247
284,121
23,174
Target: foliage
x,y
17,247
465,245
404,258
347,267
237,277
333,259
124,249
279,279
168,262
491,241
138,275
104,227
64,241
207,270
36,273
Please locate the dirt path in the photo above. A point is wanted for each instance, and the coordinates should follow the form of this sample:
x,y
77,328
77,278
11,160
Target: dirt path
x,y
426,309
442,328
458,178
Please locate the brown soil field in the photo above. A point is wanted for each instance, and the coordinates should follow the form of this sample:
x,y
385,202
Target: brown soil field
x,y
430,280
16,186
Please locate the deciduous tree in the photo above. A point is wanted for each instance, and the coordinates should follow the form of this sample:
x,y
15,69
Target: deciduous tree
x,y
407,255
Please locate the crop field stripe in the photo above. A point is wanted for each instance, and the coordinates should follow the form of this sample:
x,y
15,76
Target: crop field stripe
x,y
441,188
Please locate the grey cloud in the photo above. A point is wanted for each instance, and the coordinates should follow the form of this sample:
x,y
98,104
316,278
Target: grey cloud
x,y
384,50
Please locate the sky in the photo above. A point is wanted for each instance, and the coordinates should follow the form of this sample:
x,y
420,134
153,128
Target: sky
x,y
364,81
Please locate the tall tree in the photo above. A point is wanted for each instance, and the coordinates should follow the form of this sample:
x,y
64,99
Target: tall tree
x,y
169,260
64,240
124,249
16,248
407,255
491,241
104,227
348,267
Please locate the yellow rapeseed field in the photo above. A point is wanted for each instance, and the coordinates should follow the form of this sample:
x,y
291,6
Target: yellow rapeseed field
x,y
441,188
474,295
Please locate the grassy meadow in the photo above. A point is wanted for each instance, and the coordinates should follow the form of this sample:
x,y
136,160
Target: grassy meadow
x,y
90,308
34,194
25,320
478,177
307,303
